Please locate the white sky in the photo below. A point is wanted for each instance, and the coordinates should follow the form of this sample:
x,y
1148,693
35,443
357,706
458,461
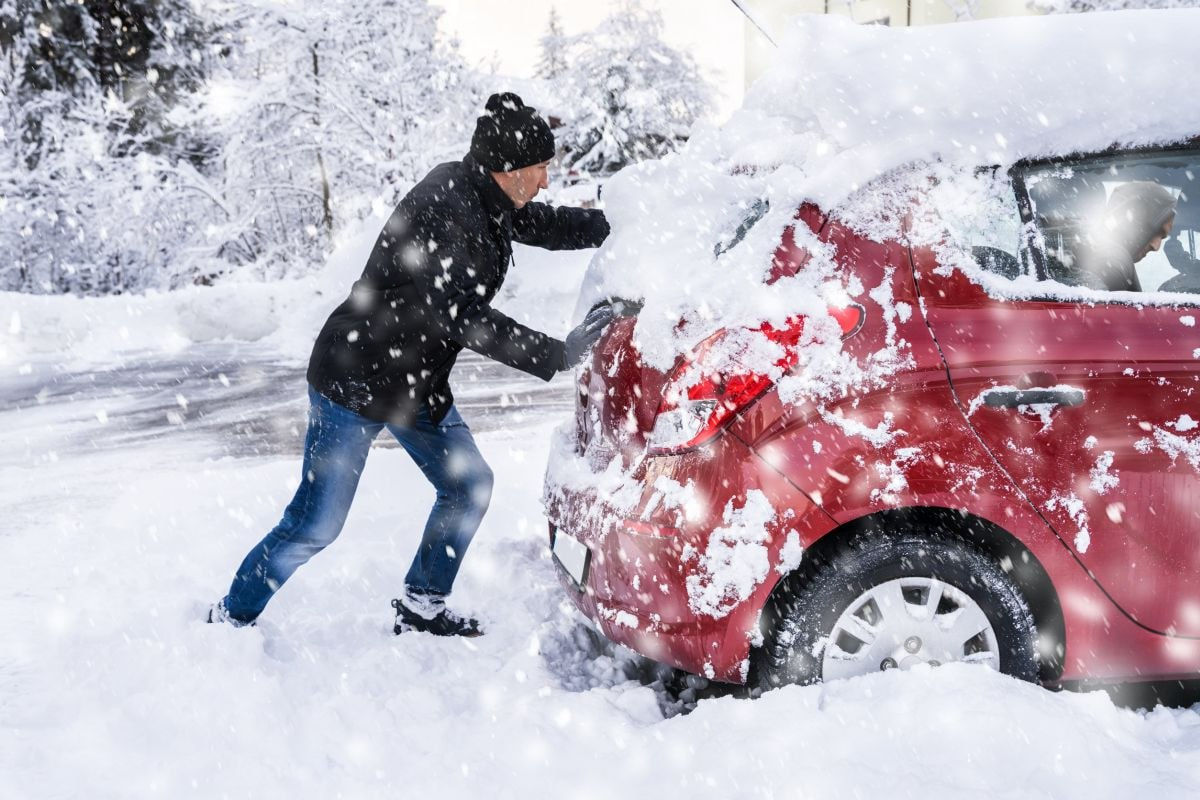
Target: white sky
x,y
506,33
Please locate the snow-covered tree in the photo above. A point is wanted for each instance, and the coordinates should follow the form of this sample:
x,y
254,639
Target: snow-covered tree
x,y
323,109
552,63
637,97
140,51
86,198
156,143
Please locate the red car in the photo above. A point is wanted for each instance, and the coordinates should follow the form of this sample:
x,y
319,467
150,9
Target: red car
x,y
1034,504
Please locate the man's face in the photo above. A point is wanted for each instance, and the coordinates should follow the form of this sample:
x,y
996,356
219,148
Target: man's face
x,y
1160,236
522,185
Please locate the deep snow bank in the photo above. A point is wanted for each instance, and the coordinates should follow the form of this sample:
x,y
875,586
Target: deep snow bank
x,y
284,316
86,330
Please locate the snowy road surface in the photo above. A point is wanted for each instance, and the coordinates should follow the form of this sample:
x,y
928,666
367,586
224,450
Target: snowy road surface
x,y
231,399
117,533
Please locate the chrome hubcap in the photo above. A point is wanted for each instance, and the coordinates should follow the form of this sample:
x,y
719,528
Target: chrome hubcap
x,y
908,621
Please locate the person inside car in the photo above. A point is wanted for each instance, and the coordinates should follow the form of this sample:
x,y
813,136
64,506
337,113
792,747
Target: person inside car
x,y
1137,219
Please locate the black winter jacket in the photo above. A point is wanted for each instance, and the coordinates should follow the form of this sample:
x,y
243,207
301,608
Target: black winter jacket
x,y
425,294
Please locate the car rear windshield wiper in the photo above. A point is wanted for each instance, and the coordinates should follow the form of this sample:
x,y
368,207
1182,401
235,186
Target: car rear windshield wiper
x,y
758,210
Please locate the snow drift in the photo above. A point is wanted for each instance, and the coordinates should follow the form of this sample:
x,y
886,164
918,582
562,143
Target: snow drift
x,y
281,316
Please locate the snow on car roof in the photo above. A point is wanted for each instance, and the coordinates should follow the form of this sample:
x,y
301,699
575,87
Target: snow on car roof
x,y
993,91
845,104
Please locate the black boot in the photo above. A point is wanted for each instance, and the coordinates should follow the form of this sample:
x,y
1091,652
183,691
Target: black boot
x,y
218,615
444,622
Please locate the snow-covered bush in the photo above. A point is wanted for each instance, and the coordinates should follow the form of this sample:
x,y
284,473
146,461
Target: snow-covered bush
x,y
1079,6
88,218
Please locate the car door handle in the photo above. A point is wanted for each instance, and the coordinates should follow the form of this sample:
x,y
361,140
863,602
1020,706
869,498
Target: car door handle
x,y
1012,398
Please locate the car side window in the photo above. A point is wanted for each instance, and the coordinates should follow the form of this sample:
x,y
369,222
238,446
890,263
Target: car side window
x,y
1118,223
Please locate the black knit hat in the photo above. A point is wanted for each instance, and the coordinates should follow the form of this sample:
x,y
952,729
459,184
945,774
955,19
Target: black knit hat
x,y
511,135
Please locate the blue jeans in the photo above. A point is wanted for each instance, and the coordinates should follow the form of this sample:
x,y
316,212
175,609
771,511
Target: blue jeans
x,y
335,450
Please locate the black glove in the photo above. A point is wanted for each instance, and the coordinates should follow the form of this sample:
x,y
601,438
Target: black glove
x,y
580,340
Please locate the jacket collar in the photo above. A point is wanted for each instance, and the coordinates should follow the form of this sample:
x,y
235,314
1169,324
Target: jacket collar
x,y
495,201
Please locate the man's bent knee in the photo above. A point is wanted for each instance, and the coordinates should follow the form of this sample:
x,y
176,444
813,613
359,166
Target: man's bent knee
x,y
469,483
482,482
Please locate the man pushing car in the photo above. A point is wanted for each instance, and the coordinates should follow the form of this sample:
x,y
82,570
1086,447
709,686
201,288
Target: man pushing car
x,y
384,357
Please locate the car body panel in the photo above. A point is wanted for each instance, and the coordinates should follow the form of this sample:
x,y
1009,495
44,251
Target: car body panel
x,y
909,442
637,588
1096,472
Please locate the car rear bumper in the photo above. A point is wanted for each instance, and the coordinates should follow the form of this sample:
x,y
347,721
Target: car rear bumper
x,y
646,586
609,599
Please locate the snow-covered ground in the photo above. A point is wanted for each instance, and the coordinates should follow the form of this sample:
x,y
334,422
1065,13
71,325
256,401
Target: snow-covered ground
x,y
110,685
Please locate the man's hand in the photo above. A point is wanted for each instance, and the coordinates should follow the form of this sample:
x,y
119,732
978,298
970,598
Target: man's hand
x,y
580,340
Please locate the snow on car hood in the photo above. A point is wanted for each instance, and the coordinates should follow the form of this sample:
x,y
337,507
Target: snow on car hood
x,y
845,104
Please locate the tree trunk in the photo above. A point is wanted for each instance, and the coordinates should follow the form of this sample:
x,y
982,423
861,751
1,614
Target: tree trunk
x,y
326,208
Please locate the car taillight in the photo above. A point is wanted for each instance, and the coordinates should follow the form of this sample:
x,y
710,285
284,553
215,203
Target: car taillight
x,y
711,386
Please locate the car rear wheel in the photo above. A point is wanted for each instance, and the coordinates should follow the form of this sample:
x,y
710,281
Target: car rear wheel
x,y
883,602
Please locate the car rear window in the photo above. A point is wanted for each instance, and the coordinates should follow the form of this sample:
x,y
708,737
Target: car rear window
x,y
980,216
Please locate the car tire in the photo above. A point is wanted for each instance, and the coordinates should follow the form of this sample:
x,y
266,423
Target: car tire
x,y
799,620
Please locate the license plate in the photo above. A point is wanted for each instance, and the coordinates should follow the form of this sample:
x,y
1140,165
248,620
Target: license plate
x,y
573,555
